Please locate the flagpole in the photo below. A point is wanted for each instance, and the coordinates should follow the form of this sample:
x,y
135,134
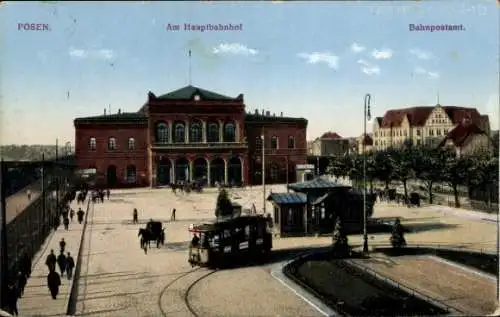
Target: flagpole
x,y
366,116
189,78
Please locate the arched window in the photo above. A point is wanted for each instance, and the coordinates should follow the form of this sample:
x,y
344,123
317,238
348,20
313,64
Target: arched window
x,y
229,132
213,132
195,133
162,133
92,144
111,144
131,143
131,175
274,142
180,135
291,142
275,171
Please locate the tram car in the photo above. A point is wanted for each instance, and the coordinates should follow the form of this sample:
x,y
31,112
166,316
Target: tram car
x,y
230,241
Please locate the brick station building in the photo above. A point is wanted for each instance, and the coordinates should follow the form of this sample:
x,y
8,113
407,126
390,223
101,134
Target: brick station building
x,y
190,134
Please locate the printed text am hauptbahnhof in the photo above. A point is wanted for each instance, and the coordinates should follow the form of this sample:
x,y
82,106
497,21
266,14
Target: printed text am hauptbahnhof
x,y
209,27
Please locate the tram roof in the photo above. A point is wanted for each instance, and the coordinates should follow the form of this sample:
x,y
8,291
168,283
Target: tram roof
x,y
317,183
228,222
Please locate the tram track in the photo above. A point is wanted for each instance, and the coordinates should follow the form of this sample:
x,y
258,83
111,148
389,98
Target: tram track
x,y
184,291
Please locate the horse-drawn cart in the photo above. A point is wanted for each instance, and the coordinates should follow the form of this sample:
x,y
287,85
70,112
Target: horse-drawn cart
x,y
154,231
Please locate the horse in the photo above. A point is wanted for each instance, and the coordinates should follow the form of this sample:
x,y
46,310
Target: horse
x,y
148,236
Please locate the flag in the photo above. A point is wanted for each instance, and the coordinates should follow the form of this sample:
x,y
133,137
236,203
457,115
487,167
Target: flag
x,y
189,53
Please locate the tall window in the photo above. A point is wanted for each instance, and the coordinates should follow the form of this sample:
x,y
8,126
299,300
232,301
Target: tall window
x,y
291,142
131,143
131,176
92,144
275,171
229,132
162,133
111,144
213,132
418,132
180,136
196,135
274,142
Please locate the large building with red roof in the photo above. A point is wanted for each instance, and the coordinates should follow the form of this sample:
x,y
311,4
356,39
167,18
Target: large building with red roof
x,y
329,144
425,125
190,134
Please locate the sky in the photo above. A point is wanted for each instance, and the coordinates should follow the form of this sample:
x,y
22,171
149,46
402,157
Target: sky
x,y
315,60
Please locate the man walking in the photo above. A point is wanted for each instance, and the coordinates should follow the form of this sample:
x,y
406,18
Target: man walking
x,y
54,281
61,261
70,264
21,283
66,223
172,217
12,297
62,244
51,261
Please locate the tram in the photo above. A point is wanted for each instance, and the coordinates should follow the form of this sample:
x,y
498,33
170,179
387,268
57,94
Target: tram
x,y
230,241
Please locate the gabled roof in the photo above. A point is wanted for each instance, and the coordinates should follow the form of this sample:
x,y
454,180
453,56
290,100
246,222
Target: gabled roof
x,y
124,117
460,134
188,93
288,198
330,135
317,183
417,116
379,120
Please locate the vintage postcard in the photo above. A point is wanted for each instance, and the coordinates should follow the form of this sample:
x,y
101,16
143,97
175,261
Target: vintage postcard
x,y
249,158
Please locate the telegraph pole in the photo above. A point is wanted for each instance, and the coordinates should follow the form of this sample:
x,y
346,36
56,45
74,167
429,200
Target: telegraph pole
x,y
366,116
3,236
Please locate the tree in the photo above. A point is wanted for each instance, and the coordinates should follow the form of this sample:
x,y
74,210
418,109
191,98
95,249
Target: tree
x,y
429,164
340,243
397,238
456,173
384,166
337,167
224,206
402,167
483,176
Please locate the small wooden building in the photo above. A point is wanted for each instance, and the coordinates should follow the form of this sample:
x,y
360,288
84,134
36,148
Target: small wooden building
x,y
290,213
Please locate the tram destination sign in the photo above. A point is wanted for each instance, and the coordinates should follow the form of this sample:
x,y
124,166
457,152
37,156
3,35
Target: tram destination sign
x,y
304,167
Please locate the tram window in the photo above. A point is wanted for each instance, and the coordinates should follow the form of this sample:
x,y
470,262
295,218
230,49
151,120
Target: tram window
x,y
322,212
227,234
290,219
247,232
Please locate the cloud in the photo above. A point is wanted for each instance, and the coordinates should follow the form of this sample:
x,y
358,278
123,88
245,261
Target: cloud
x,y
421,54
357,48
422,71
235,49
384,53
95,54
369,68
327,58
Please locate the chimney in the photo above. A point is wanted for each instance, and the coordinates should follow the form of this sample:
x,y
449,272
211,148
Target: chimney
x,y
282,113
268,113
104,111
119,111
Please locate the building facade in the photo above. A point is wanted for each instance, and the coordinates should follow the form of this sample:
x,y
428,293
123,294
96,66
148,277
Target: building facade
x,y
422,125
468,139
190,134
329,144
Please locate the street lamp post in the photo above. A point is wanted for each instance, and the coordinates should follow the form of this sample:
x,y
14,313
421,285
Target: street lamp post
x,y
366,116
263,172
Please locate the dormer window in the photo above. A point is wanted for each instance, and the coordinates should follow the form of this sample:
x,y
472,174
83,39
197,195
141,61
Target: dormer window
x,y
196,97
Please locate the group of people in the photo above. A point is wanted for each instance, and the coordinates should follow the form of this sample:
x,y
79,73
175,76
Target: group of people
x,y
15,286
98,195
66,265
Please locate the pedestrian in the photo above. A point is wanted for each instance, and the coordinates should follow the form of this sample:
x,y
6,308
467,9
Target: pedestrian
x,y
53,281
135,217
70,265
108,193
61,261
66,223
172,217
12,297
62,244
25,264
21,282
79,214
51,261
28,193
72,214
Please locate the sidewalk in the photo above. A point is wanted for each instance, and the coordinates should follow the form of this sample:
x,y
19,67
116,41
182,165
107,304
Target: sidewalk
x,y
17,203
37,300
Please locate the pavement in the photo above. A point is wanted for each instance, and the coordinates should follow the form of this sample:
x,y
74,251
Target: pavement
x,y
18,202
37,300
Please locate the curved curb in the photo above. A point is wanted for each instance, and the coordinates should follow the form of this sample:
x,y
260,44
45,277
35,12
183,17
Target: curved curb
x,y
312,300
